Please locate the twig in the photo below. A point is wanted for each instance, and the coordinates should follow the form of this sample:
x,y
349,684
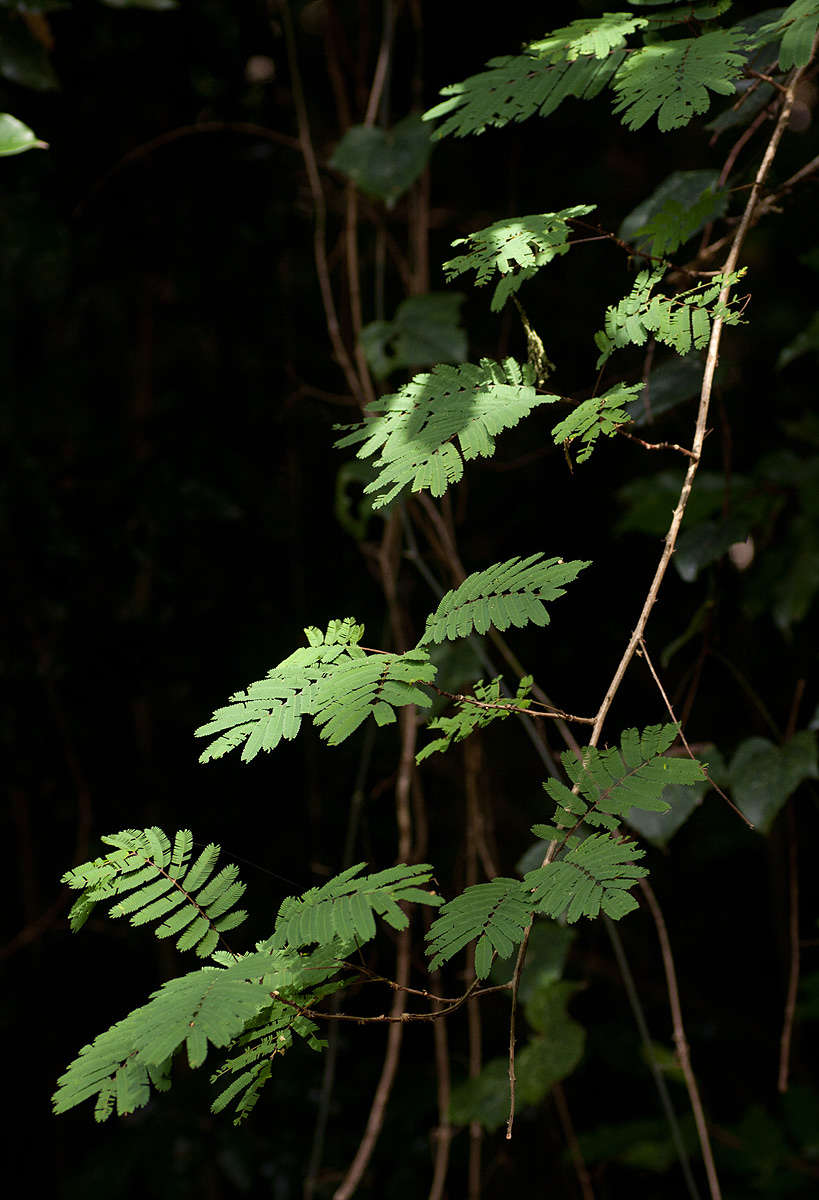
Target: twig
x,y
556,714
793,914
519,961
680,1040
475,848
378,1108
182,131
319,209
736,149
443,1132
392,1017
576,1154
382,64
354,286
651,1059
702,413
793,932
331,1057
654,445
644,651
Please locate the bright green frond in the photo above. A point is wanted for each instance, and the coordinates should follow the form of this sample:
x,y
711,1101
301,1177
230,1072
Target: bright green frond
x,y
377,684
597,36
515,249
413,431
250,1066
331,680
494,913
596,874
517,87
343,908
469,716
682,321
673,79
508,593
608,783
208,1007
600,415
150,882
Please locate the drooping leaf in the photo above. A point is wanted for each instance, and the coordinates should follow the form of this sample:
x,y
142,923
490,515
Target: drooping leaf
x,y
494,915
681,321
600,416
597,874
516,87
469,717
514,249
672,80
332,680
413,432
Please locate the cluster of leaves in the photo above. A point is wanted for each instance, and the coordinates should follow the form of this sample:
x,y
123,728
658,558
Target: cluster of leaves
x,y
671,80
470,717
251,1003
514,249
682,321
413,431
339,684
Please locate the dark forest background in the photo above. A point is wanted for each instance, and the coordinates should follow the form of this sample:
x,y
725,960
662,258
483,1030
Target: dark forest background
x,y
170,522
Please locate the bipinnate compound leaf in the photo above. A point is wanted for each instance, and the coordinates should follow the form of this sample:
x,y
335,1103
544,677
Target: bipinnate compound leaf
x,y
600,416
597,874
682,321
494,915
469,717
509,593
345,907
205,1008
331,680
517,87
413,432
672,80
514,249
151,882
607,784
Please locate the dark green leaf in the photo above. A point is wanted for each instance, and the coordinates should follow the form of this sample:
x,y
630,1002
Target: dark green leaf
x,y
384,163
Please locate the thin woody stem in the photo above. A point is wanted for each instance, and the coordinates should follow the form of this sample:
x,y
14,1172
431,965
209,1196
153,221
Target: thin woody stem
x,y
681,1042
702,413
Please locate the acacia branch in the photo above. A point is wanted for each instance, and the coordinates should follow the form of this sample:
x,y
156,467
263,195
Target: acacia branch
x,y
702,412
